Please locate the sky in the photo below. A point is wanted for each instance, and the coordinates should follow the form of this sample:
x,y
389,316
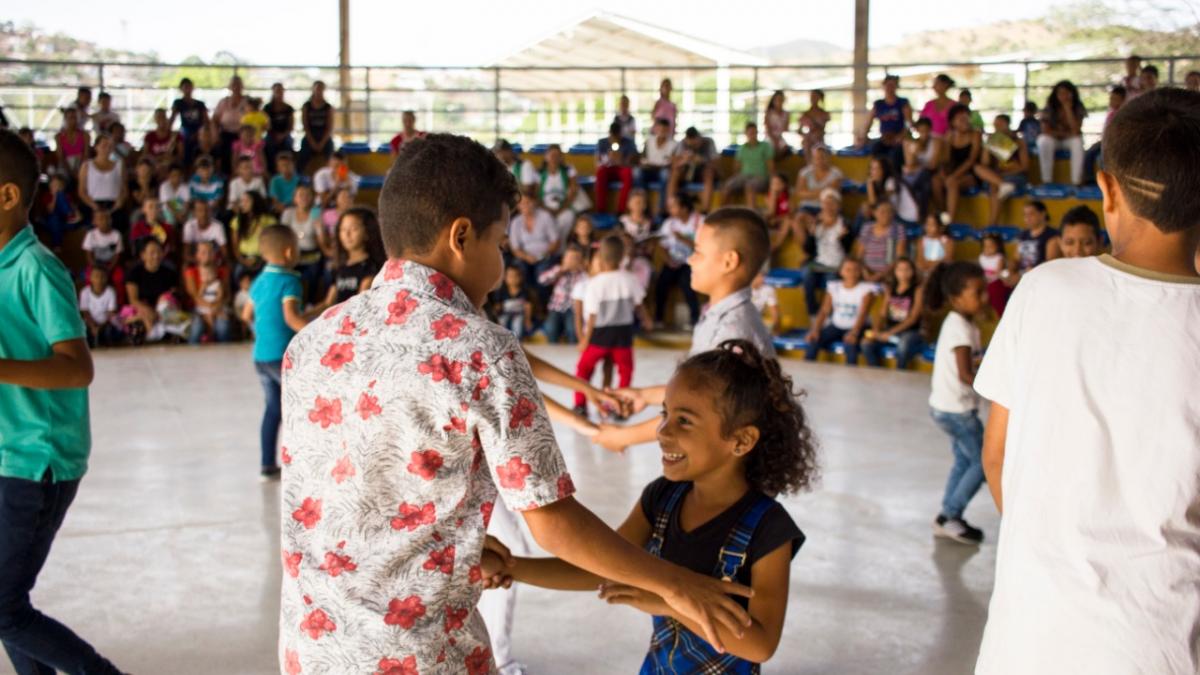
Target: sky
x,y
474,32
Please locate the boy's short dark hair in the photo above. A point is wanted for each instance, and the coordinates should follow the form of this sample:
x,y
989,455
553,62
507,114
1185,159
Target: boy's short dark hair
x,y
612,250
1119,90
435,180
18,165
747,231
186,81
1152,148
84,90
614,129
1030,106
104,95
284,154
1082,215
966,92
891,78
204,162
275,238
692,132
1152,69
1039,205
1005,117
924,122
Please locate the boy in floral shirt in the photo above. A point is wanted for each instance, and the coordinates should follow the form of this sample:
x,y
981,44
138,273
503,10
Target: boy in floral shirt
x,y
404,410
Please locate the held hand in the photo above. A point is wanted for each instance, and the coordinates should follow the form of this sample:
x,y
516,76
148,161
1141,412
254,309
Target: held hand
x,y
612,438
851,338
631,399
606,402
645,601
497,547
705,600
494,571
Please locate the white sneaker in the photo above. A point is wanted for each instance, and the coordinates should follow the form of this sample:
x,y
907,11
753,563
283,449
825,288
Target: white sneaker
x,y
957,529
1006,190
944,217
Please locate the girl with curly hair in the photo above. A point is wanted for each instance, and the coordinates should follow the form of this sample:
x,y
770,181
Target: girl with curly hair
x,y
733,437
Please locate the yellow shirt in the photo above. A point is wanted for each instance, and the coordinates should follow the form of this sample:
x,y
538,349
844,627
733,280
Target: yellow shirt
x,y
257,119
248,243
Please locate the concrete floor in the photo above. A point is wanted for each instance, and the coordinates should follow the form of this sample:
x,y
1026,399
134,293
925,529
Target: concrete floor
x,y
169,559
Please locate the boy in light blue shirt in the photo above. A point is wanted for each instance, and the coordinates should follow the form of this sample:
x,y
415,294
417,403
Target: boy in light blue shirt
x,y
275,309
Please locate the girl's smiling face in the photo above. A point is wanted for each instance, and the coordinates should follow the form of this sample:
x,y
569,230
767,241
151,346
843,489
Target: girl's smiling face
x,y
691,434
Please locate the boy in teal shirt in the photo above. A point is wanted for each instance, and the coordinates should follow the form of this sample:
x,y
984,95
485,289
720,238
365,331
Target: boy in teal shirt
x,y
45,436
274,307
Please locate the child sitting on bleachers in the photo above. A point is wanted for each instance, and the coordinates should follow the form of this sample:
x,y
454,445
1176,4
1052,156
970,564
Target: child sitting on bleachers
x,y
174,195
1038,242
778,212
826,235
1030,127
679,239
102,246
514,305
282,189
994,262
636,232
245,181
899,322
205,185
765,300
935,245
1080,236
150,223
845,308
583,232
250,145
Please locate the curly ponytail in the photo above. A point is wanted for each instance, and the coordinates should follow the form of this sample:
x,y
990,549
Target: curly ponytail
x,y
752,390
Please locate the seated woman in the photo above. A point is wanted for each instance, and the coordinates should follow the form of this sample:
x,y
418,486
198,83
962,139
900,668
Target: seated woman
x,y
1062,128
152,289
1004,160
922,157
899,322
880,243
253,215
826,234
558,189
961,156
814,178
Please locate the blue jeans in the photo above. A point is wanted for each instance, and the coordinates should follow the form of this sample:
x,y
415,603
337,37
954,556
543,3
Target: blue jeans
x,y
829,335
514,322
966,476
269,375
668,278
816,277
910,344
222,329
30,514
560,324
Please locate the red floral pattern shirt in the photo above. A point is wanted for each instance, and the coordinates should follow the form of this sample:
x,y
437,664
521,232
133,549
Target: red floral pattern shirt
x,y
403,410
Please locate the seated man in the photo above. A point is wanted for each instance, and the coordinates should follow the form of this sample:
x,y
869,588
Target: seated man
x,y
694,162
332,178
755,164
656,161
615,158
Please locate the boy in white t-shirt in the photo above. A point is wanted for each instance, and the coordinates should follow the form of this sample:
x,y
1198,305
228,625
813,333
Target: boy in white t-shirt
x,y
612,309
960,289
98,305
245,181
765,299
1091,447
846,306
102,244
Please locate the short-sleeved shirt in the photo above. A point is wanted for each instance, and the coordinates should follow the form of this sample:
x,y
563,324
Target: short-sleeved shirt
x,y
880,251
214,232
939,118
101,308
348,279
833,179
700,549
281,117
733,318
104,246
755,159
239,187
948,392
271,332
538,241
509,301
152,285
664,109
403,411
324,181
613,297
1031,250
191,115
847,302
40,429
283,190
210,192
625,148
672,230
1097,363
399,140
655,155
891,115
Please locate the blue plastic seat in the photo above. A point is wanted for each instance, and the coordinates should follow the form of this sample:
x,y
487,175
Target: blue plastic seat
x,y
539,149
586,181
1089,192
852,151
355,148
582,149
914,232
516,147
1051,191
971,191
790,342
370,183
694,188
929,353
1005,232
850,186
889,351
603,221
962,232
384,148
730,151
784,277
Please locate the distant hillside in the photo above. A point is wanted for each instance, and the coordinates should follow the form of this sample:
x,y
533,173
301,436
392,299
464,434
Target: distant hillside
x,y
804,51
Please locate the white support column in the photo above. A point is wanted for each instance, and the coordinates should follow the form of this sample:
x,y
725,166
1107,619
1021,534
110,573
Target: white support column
x,y
722,134
862,22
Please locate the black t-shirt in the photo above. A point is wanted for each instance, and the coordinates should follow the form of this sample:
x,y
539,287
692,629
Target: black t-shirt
x,y
191,114
151,285
318,118
349,278
508,302
281,117
700,549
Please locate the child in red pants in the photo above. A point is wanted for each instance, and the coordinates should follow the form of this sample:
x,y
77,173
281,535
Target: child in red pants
x,y
612,304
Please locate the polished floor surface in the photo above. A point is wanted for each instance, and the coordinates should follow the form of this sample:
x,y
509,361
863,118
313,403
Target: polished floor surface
x,y
169,559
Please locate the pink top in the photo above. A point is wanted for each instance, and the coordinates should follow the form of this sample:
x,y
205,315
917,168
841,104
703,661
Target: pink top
x,y
252,151
940,119
664,109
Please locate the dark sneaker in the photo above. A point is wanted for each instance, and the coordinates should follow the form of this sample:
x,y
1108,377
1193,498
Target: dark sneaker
x,y
580,410
269,474
957,529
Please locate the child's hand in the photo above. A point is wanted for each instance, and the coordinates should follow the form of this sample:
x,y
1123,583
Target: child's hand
x,y
811,337
612,438
494,571
851,338
620,594
607,402
632,400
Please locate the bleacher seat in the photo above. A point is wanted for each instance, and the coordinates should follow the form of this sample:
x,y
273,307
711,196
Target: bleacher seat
x,y
384,148
929,353
603,221
791,342
1006,232
1051,191
582,149
731,151
586,181
516,147
371,183
539,149
851,186
962,232
783,277
852,151
914,232
694,188
972,191
355,148
1089,193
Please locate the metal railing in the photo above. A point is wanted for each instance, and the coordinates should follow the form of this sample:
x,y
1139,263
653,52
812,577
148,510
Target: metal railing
x,y
561,104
